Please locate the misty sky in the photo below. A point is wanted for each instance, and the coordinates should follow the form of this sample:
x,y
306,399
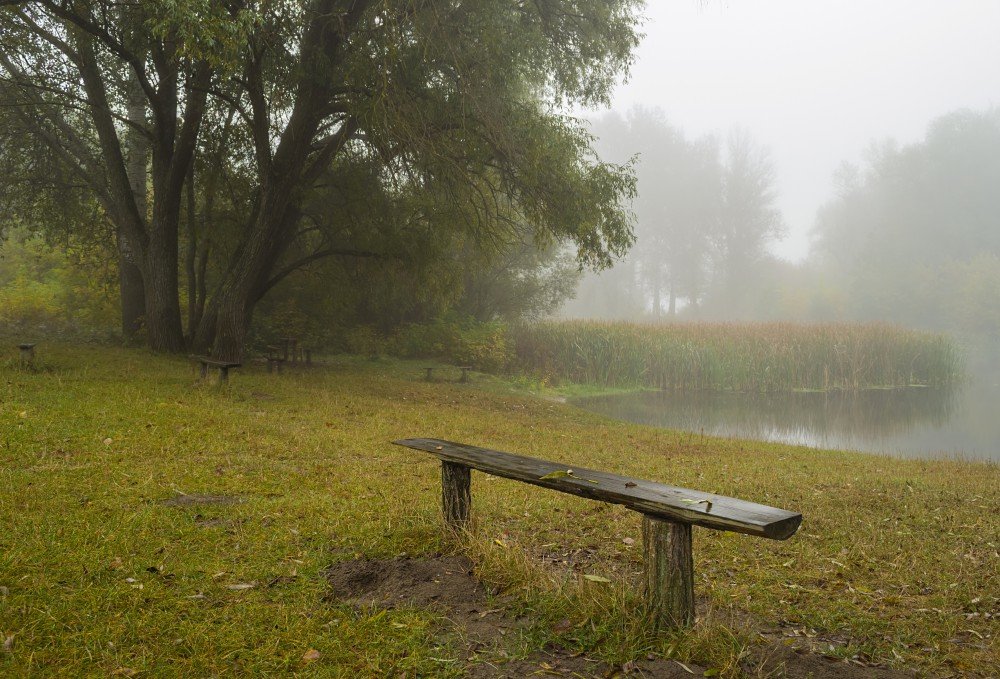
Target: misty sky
x,y
816,81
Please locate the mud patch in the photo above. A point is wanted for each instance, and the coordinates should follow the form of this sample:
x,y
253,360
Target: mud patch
x,y
479,626
447,585
780,660
191,500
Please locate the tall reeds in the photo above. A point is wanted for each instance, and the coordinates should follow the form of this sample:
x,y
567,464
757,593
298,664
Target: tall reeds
x,y
736,356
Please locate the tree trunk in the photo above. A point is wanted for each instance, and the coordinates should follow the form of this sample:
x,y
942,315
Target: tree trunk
x,y
132,294
133,299
163,307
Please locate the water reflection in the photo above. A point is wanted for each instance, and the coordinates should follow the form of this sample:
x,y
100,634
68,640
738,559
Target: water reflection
x,y
920,422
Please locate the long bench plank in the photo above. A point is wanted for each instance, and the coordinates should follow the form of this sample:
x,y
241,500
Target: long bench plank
x,y
669,503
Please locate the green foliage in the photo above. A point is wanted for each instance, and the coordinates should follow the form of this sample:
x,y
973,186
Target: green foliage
x,y
484,346
48,292
735,357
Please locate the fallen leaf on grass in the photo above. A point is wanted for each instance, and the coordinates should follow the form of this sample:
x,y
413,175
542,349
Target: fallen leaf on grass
x,y
311,655
595,578
242,586
108,441
684,667
563,625
8,643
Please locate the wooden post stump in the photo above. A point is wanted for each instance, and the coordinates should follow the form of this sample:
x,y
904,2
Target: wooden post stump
x,y
669,573
428,376
465,373
456,494
27,354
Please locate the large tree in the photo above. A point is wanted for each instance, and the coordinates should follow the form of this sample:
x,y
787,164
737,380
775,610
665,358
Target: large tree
x,y
210,124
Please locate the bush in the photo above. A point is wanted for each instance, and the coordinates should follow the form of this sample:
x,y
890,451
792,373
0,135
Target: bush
x,y
484,346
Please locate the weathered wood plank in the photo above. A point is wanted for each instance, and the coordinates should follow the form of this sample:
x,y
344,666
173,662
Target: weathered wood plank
x,y
669,573
456,494
657,500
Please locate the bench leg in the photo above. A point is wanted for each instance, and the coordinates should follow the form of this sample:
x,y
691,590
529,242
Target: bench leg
x,y
428,377
204,370
27,356
223,375
456,494
669,573
465,376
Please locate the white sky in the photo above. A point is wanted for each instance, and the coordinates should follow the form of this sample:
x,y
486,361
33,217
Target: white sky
x,y
815,80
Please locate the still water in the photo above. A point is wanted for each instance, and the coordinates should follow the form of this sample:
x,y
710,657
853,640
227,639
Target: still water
x,y
961,421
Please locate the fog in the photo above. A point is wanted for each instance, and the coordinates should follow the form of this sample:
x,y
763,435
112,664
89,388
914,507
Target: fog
x,y
866,186
815,82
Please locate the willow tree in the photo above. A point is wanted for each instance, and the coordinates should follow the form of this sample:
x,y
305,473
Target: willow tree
x,y
160,107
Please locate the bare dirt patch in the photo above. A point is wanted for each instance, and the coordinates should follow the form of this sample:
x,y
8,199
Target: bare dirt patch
x,y
192,500
447,585
779,660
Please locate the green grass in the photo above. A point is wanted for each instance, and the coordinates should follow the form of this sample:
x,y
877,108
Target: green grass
x,y
735,356
896,560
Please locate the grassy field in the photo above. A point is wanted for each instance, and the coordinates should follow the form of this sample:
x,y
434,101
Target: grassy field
x,y
736,356
896,562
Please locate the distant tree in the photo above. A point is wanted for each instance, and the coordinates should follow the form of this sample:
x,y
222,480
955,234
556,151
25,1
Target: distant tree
x,y
912,234
748,220
677,209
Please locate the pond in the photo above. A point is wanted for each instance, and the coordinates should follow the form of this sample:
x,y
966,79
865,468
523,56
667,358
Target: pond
x,y
961,421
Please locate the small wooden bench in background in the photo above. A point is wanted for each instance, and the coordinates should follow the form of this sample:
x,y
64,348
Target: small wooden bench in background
x,y
429,376
293,354
668,514
27,354
222,366
274,359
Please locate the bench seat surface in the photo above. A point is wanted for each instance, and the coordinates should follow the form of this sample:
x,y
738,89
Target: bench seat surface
x,y
204,360
670,503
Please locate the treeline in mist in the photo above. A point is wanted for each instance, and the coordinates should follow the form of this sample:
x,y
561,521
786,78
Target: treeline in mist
x,y
910,235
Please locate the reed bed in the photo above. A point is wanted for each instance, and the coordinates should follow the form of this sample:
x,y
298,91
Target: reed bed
x,y
758,357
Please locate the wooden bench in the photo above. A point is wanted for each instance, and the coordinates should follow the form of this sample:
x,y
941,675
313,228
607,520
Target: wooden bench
x,y
291,348
27,353
668,514
274,359
222,366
